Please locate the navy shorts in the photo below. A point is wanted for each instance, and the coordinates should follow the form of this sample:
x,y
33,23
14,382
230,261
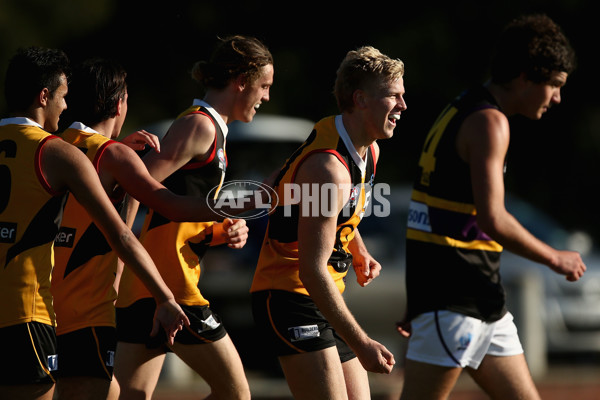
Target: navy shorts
x,y
291,323
29,354
134,324
87,352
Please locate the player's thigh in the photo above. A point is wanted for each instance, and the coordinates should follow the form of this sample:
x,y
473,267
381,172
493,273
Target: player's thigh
x,y
505,377
315,375
137,369
357,380
219,364
35,391
82,388
428,381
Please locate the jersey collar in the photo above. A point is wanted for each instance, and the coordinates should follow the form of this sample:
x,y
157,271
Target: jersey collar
x,y
19,121
358,160
216,116
82,127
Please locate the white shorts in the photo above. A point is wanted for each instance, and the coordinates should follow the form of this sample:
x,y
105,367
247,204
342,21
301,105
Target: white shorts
x,y
451,339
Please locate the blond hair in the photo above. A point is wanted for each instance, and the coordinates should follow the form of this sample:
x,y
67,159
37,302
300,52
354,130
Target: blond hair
x,y
362,68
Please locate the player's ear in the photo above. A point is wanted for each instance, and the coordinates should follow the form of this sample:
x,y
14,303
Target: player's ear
x,y
240,82
43,97
360,98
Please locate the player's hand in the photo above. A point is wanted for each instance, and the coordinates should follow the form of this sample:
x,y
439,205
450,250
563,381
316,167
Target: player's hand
x,y
570,264
375,357
171,317
138,141
404,328
236,232
366,268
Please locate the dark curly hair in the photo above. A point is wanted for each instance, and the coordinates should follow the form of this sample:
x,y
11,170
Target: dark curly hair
x,y
30,71
95,89
234,56
534,45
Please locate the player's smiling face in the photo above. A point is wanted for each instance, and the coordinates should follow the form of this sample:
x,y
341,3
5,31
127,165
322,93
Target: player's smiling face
x,y
255,93
386,104
56,104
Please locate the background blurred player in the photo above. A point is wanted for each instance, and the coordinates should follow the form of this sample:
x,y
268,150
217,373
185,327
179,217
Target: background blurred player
x,y
456,302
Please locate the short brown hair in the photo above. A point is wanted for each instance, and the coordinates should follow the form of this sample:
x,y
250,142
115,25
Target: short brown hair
x,y
234,56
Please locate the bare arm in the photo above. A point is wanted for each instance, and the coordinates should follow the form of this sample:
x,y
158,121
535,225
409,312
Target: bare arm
x,y
138,140
66,168
189,138
123,166
316,237
365,266
483,143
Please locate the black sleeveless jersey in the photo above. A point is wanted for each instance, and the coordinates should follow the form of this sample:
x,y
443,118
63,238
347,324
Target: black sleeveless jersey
x,y
451,263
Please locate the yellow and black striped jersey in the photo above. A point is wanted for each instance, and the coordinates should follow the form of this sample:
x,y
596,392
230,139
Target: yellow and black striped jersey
x,y
30,213
451,263
277,266
177,247
85,265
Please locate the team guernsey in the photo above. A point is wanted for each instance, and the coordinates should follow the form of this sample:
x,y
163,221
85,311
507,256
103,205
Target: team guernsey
x,y
30,213
451,263
278,267
85,265
177,248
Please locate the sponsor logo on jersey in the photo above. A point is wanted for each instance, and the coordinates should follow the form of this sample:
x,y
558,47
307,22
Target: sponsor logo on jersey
x,y
354,195
221,155
65,237
418,216
8,232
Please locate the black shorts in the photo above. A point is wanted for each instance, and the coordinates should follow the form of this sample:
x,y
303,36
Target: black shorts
x,y
29,354
291,323
134,324
87,352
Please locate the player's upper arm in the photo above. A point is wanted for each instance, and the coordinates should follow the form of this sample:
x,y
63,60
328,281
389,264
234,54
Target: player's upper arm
x,y
482,142
326,173
189,137
67,168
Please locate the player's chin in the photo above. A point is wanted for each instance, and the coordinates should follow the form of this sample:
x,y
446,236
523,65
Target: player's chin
x,y
535,116
388,131
541,112
250,114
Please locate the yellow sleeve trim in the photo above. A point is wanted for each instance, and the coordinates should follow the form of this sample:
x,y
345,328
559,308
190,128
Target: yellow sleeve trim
x,y
486,245
444,204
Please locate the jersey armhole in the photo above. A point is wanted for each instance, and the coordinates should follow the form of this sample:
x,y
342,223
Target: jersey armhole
x,y
38,166
212,150
330,151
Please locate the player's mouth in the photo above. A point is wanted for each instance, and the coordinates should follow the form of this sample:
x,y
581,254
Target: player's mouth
x,y
393,118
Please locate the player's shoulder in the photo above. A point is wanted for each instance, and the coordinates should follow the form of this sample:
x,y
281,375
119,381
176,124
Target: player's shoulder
x,y
323,167
192,126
